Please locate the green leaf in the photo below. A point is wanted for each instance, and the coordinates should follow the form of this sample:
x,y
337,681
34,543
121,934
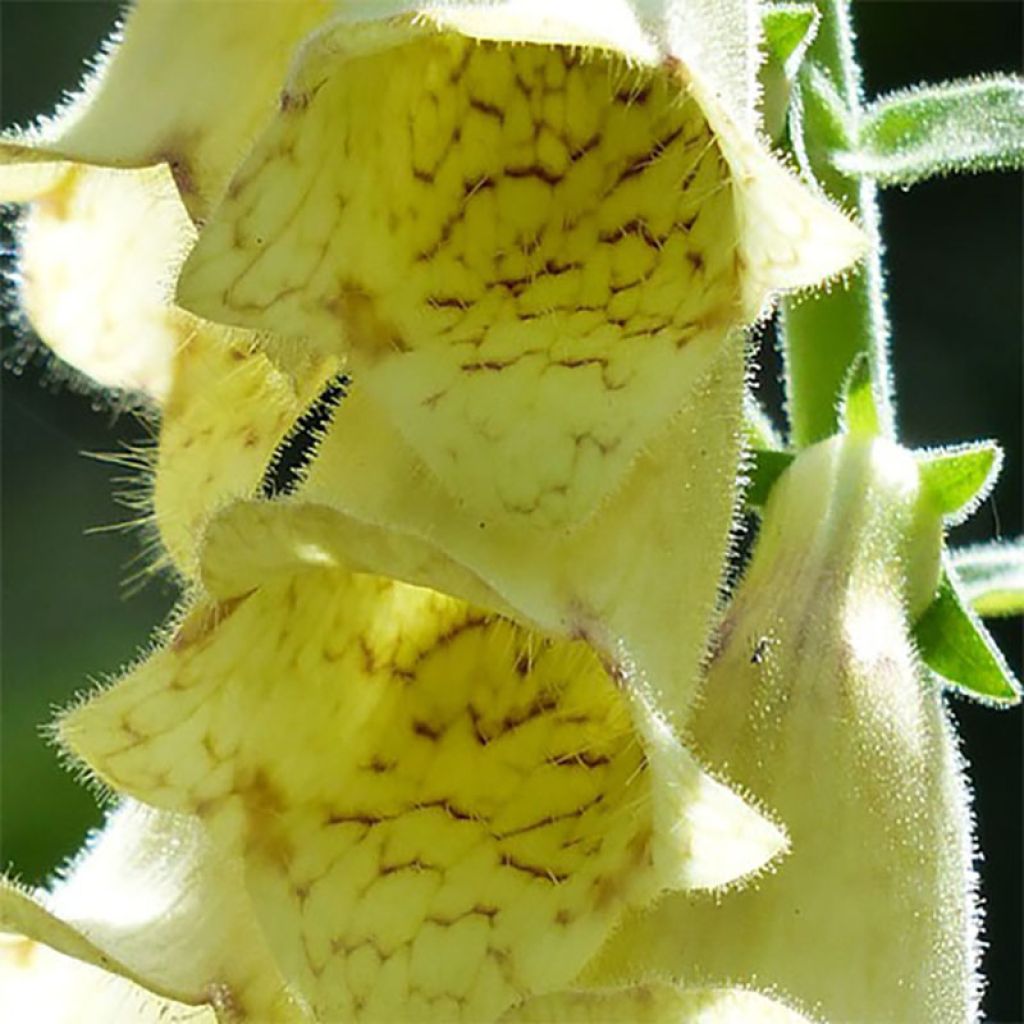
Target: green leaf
x,y
826,123
967,126
787,31
991,577
857,410
767,466
959,478
955,645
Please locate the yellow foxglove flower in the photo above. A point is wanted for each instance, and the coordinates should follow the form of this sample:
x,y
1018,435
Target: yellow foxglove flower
x,y
528,227
532,257
438,813
816,703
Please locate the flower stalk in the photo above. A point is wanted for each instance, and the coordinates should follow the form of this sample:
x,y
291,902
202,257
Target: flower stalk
x,y
825,119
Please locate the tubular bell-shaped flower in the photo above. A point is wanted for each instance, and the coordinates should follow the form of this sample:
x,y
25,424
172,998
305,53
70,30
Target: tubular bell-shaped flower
x,y
437,813
815,701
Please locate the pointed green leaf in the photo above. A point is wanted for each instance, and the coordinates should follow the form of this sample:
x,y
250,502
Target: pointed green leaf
x,y
788,29
827,120
968,126
959,478
857,410
767,466
991,577
954,644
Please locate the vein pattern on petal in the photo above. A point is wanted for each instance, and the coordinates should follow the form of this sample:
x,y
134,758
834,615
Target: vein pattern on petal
x,y
525,250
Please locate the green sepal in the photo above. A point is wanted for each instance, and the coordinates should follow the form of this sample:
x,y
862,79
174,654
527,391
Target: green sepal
x,y
959,478
858,413
991,577
787,30
966,126
955,645
766,466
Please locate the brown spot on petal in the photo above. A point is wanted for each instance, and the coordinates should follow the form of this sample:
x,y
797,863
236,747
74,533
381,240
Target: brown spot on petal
x,y
264,806
366,330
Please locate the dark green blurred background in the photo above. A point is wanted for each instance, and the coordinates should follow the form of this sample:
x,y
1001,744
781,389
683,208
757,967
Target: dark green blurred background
x,y
955,265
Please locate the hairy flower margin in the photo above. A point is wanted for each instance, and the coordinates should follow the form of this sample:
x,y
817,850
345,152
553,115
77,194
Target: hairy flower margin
x,y
417,744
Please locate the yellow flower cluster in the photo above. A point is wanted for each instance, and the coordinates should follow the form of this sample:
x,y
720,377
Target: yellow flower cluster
x,y
413,746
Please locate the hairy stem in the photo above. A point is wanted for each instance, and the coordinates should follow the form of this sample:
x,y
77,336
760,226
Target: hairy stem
x,y
820,336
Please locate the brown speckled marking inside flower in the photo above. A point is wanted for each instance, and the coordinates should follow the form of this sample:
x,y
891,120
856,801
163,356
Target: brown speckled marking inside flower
x,y
528,251
412,784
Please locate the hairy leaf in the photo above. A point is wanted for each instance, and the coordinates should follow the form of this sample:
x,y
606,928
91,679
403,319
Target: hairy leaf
x,y
968,126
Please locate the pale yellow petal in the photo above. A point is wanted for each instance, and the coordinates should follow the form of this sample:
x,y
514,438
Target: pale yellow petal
x,y
188,84
22,914
654,1003
41,986
252,542
151,891
98,250
612,25
790,238
23,182
227,412
439,812
150,901
527,252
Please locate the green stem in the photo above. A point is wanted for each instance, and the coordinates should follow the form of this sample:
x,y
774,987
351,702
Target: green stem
x,y
820,336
